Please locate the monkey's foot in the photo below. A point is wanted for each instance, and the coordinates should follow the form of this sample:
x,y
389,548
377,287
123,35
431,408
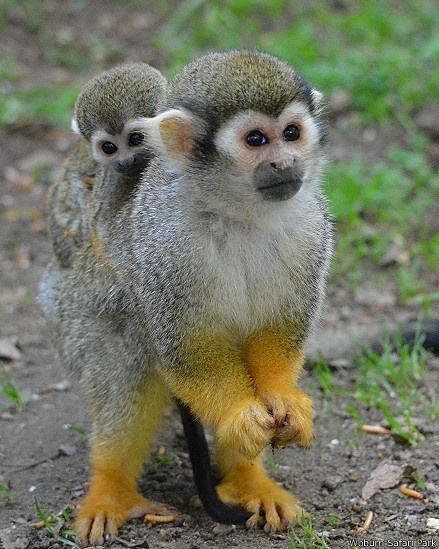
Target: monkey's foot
x,y
292,412
273,508
246,431
101,515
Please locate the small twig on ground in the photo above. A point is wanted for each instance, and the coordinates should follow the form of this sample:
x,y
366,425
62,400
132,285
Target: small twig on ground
x,y
404,489
366,524
376,430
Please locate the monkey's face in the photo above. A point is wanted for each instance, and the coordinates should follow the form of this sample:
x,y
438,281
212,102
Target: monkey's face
x,y
275,156
125,152
249,163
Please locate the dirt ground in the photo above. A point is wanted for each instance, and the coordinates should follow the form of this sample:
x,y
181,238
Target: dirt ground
x,y
42,454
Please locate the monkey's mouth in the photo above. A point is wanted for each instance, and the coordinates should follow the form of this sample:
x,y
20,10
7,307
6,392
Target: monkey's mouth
x,y
281,190
276,183
133,166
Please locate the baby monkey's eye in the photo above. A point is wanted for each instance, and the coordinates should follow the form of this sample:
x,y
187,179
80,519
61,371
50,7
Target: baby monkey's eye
x,y
108,147
256,138
135,139
291,133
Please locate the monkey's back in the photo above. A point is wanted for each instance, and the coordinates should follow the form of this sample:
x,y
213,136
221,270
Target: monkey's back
x,y
69,198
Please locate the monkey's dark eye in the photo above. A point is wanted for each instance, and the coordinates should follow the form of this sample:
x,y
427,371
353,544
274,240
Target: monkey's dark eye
x,y
256,138
135,139
108,147
291,133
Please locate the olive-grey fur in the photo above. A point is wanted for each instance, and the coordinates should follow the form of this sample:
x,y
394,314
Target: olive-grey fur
x,y
210,76
130,90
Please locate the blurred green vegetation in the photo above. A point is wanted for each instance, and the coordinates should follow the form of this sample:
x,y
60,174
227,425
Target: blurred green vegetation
x,y
383,54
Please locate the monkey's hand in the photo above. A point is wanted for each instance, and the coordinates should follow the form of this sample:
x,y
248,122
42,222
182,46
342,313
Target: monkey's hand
x,y
275,367
215,384
248,486
246,430
108,504
292,413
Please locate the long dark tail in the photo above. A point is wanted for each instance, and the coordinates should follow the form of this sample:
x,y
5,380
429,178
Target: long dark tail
x,y
427,331
203,474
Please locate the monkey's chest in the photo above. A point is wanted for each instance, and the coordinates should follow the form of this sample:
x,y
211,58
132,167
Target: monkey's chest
x,y
250,284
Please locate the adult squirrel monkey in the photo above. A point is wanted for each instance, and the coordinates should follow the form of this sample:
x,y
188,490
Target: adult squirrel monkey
x,y
204,285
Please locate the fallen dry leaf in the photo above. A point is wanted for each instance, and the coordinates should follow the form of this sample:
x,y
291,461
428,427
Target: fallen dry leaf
x,y
386,475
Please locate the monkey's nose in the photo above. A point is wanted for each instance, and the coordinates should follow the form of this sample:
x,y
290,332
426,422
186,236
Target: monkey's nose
x,y
282,165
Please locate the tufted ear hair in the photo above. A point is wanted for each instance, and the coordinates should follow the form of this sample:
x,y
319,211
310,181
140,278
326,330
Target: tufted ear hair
x,y
317,99
75,127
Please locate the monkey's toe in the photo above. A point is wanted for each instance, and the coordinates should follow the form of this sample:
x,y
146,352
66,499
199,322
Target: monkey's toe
x,y
98,520
274,511
272,507
96,530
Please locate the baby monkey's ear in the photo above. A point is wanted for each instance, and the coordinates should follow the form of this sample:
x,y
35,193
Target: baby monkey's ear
x,y
173,135
317,97
75,126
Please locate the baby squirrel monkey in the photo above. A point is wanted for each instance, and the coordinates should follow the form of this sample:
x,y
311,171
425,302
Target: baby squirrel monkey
x,y
111,151
204,285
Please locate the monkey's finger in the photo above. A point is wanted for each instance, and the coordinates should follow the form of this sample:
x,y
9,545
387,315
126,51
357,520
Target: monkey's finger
x,y
255,520
82,528
96,536
272,518
110,530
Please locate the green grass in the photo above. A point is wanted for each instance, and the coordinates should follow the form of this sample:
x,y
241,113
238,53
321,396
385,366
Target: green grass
x,y
382,53
163,458
57,526
30,11
54,105
270,461
325,377
392,383
375,205
5,493
18,399
78,431
302,535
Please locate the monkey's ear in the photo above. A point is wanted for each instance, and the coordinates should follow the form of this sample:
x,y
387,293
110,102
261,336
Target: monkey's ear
x,y
173,134
75,126
317,98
